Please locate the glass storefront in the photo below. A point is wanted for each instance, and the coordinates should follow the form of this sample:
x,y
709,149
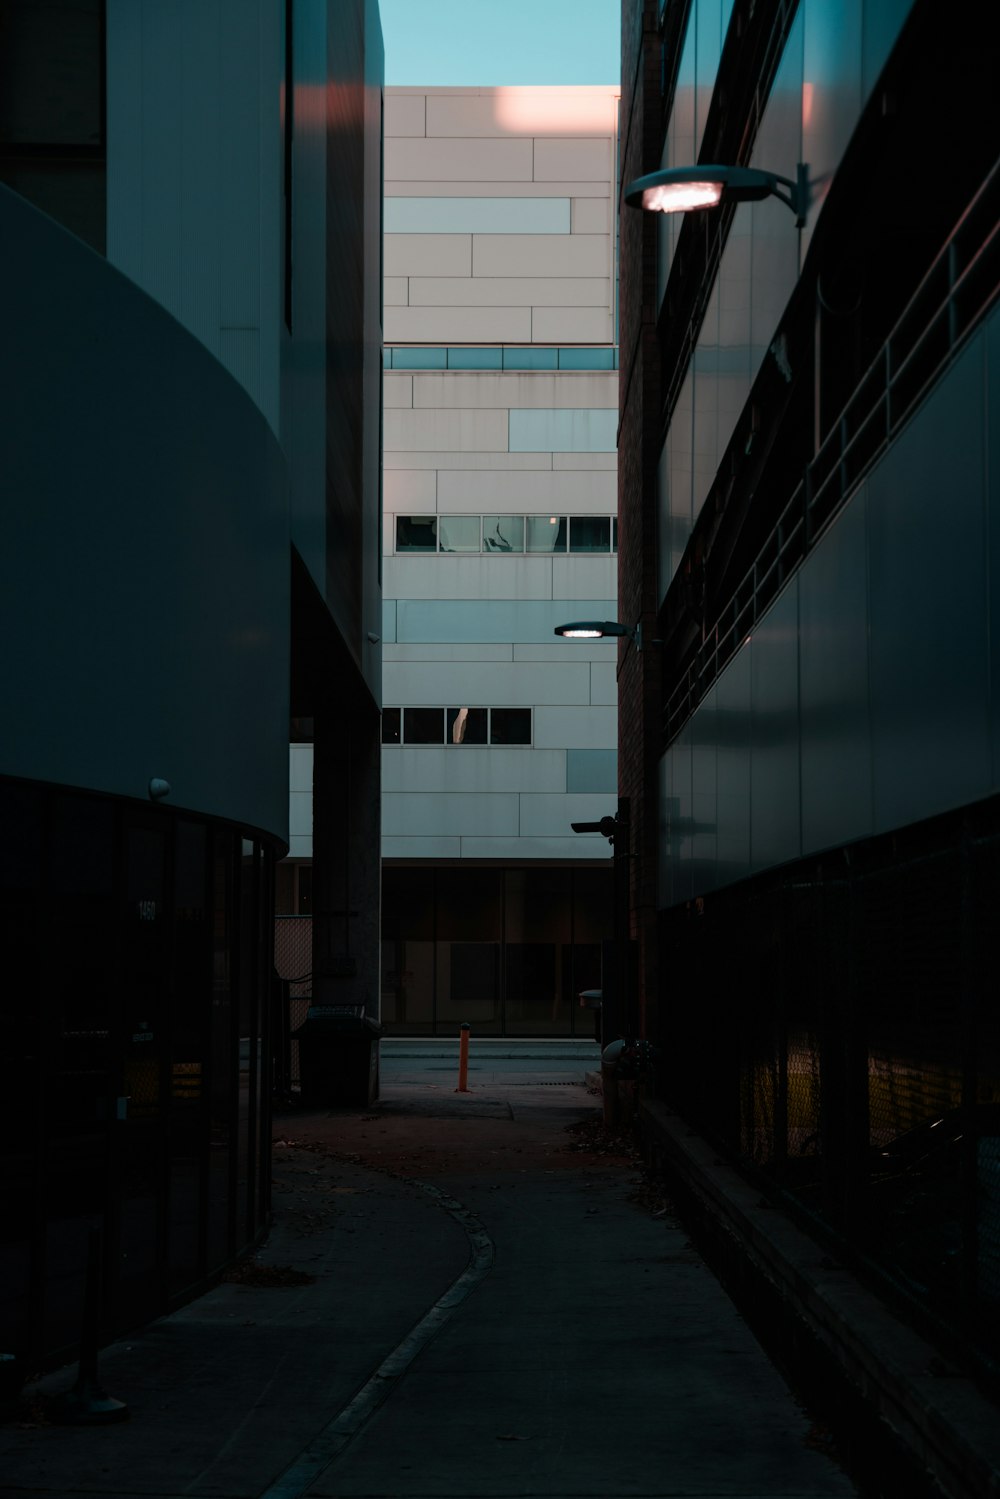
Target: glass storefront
x,y
505,950
137,949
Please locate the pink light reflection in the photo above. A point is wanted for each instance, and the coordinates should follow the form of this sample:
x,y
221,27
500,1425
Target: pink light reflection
x,y
678,197
555,110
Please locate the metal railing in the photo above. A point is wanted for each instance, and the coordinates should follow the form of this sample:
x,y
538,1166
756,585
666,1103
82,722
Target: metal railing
x,y
950,302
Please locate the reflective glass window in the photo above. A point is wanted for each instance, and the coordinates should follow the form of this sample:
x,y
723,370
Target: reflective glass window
x,y
510,725
503,533
586,359
419,359
423,725
590,533
546,533
475,359
459,533
391,727
614,533
530,359
466,725
416,533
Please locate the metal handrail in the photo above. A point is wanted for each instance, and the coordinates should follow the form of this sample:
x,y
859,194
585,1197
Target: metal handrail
x,y
879,406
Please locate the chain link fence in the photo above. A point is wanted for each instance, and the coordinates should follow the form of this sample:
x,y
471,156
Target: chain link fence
x,y
840,1034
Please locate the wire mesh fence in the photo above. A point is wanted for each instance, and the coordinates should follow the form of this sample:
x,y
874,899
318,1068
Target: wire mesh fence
x,y
840,1034
293,963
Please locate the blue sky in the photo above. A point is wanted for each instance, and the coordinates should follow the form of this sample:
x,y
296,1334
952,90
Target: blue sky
x,y
481,42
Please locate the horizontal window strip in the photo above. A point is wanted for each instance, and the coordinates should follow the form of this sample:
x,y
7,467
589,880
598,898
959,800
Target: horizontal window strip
x,y
520,357
506,535
458,726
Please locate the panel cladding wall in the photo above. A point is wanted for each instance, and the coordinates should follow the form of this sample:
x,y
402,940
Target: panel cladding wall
x,y
473,257
499,215
863,701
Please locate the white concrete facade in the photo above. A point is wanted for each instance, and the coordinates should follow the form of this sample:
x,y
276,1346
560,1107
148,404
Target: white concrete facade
x,y
499,252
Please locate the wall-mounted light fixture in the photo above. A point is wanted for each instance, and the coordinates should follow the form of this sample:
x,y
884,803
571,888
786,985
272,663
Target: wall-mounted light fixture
x,y
599,629
681,189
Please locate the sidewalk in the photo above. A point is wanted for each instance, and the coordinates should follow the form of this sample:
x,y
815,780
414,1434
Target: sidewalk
x,y
490,1315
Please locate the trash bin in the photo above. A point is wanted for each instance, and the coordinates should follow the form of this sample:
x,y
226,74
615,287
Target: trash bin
x,y
590,999
338,1056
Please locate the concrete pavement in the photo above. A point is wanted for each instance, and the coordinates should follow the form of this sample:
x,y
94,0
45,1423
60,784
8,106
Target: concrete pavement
x,y
488,1314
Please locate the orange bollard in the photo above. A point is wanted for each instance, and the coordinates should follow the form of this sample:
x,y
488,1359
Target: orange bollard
x,y
463,1061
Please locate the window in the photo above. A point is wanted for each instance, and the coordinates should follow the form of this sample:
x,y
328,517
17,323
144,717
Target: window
x,y
456,726
589,533
546,533
510,725
503,533
423,725
467,725
391,726
416,533
506,535
459,533
500,356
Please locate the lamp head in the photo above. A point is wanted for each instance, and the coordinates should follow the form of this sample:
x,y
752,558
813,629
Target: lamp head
x,y
593,629
681,189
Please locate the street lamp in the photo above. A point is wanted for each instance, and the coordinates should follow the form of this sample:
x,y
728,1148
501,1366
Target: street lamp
x,y
681,189
599,629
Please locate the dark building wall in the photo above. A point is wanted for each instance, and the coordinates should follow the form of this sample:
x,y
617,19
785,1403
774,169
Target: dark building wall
x,y
639,397
763,334
507,950
331,363
145,601
331,412
52,110
145,565
826,592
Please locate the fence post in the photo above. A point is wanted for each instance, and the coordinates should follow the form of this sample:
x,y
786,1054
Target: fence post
x,y
463,1060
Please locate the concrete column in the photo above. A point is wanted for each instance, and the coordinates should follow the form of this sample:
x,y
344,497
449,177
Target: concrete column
x,y
346,858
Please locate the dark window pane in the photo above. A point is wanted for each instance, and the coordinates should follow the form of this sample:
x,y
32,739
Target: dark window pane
x,y
510,725
423,725
305,884
589,533
466,725
614,533
390,725
416,533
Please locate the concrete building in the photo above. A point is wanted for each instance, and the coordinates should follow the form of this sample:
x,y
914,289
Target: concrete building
x,y
808,513
499,501
191,197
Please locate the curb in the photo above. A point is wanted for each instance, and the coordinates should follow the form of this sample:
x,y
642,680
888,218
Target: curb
x,y
945,1423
